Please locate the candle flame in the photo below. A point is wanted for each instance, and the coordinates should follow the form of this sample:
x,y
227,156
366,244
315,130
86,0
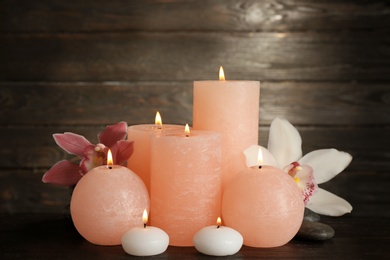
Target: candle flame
x,y
110,161
187,130
219,221
145,217
260,157
221,74
158,120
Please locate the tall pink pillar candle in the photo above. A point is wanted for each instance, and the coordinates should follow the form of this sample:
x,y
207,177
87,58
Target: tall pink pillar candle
x,y
265,205
139,161
231,108
185,183
107,202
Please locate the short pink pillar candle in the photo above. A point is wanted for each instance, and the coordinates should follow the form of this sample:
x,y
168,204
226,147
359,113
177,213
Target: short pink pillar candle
x,y
139,161
106,202
265,205
185,183
231,108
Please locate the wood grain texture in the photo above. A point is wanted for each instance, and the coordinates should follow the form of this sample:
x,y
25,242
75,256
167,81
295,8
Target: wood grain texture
x,y
23,191
207,15
302,103
94,103
310,56
367,190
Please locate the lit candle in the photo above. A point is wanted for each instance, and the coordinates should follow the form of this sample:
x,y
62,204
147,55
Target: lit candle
x,y
185,183
218,240
270,200
146,240
231,108
139,161
107,202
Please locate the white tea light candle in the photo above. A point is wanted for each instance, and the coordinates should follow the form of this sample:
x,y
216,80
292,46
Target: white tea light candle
x,y
218,240
146,240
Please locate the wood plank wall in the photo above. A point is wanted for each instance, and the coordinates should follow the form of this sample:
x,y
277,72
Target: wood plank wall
x,y
80,65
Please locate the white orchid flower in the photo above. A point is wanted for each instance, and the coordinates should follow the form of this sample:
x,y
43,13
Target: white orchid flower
x,y
285,149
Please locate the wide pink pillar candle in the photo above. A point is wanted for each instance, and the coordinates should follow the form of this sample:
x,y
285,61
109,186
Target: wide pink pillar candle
x,y
139,161
265,205
231,108
185,184
107,202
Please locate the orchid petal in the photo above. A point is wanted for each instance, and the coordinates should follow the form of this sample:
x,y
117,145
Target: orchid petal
x,y
303,176
124,149
72,143
251,155
326,163
113,134
326,203
284,142
63,173
93,156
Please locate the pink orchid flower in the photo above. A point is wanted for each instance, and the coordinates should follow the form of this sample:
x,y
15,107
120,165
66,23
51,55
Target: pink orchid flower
x,y
319,166
113,137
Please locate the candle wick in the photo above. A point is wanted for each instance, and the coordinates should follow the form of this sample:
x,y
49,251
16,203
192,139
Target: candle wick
x,y
187,135
110,167
144,225
218,226
260,166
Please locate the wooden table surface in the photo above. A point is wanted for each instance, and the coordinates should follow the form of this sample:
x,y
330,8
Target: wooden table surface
x,y
50,236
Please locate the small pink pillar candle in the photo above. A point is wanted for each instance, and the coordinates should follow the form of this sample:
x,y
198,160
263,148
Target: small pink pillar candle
x,y
185,183
231,108
107,202
139,161
265,205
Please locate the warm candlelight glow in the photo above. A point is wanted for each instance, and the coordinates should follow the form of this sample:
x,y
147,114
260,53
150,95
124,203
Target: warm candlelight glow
x,y
260,157
219,221
145,217
187,130
158,120
221,74
109,158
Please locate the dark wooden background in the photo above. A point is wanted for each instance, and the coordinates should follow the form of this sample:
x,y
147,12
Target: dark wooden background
x,y
80,65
